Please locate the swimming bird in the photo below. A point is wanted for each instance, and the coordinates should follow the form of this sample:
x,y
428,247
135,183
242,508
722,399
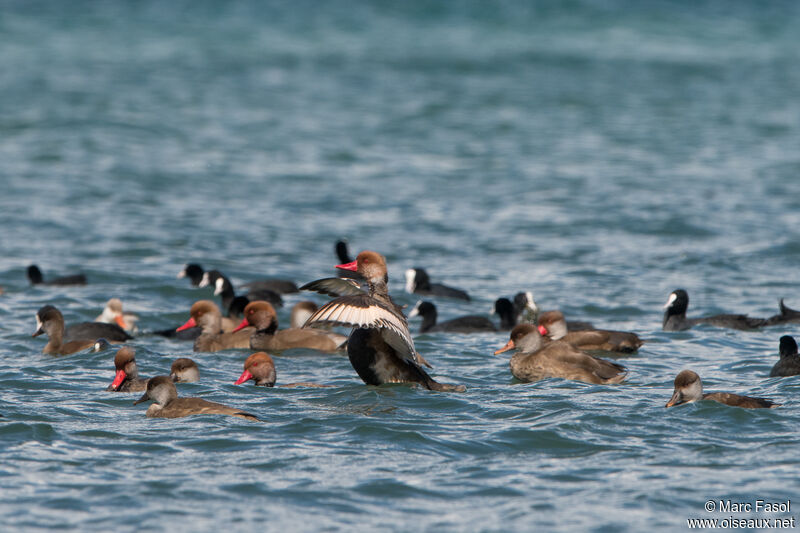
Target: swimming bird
x,y
418,282
96,330
193,271
100,345
553,326
344,257
525,309
262,316
380,347
675,316
689,388
161,390
463,324
301,311
279,286
188,334
787,315
342,253
113,313
789,362
49,320
260,368
127,374
36,278
184,370
234,305
505,310
205,314
535,360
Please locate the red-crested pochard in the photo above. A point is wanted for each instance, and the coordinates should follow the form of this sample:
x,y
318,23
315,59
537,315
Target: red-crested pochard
x,y
161,390
675,316
267,336
553,326
127,377
205,314
261,369
689,388
36,278
535,360
380,346
49,320
184,370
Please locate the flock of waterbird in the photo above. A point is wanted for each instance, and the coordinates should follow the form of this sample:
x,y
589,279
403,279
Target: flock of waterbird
x,y
380,345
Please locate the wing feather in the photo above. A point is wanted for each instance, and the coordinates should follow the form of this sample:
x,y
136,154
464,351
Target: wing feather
x,y
334,287
364,311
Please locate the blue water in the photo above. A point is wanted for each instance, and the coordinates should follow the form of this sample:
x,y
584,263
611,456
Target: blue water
x,y
599,154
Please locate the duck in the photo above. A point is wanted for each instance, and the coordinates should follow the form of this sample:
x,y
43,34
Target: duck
x,y
230,302
553,326
301,311
49,320
193,271
535,360
161,390
36,278
343,254
127,377
787,315
260,368
184,370
463,324
262,316
96,330
789,362
689,388
206,315
280,286
380,347
505,310
525,309
188,334
418,282
113,313
675,316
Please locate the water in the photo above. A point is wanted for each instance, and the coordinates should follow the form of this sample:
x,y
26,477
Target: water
x,y
600,154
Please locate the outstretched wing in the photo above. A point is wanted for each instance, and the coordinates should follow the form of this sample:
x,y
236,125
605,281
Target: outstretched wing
x,y
364,311
334,287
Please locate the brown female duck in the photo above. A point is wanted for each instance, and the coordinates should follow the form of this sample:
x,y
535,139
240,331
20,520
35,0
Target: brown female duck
x,y
537,360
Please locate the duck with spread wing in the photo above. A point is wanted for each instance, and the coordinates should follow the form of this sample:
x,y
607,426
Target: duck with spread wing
x,y
380,346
